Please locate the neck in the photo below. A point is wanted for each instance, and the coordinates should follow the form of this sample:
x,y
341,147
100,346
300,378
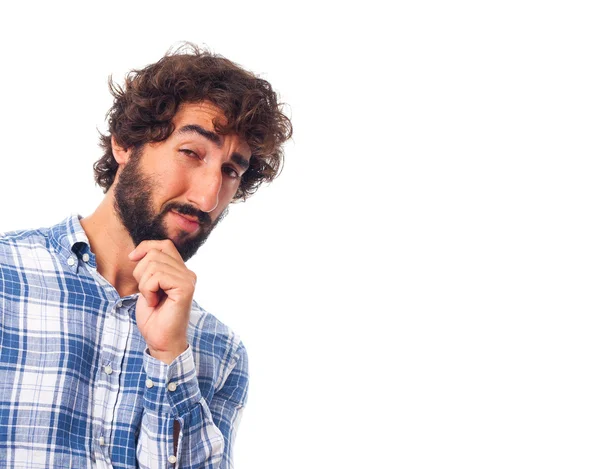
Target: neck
x,y
110,242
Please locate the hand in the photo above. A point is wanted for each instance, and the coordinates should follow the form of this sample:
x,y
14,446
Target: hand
x,y
166,291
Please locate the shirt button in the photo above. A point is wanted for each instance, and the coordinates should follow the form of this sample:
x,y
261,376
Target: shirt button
x,y
149,383
85,257
101,441
172,386
108,370
71,261
172,459
119,304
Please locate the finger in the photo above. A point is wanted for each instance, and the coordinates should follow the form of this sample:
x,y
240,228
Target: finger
x,y
156,284
155,256
149,287
152,266
163,245
152,297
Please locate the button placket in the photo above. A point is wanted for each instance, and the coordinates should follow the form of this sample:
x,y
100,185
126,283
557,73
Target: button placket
x,y
116,330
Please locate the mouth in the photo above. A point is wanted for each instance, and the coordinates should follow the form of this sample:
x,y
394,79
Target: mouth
x,y
187,223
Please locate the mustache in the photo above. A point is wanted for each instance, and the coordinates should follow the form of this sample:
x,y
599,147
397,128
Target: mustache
x,y
186,209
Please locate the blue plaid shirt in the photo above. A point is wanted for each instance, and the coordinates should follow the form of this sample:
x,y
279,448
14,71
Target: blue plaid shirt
x,y
78,388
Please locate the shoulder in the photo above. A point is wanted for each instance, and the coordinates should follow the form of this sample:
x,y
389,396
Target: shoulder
x,y
216,345
14,245
28,237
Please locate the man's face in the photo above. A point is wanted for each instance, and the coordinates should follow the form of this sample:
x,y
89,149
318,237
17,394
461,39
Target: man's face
x,y
180,188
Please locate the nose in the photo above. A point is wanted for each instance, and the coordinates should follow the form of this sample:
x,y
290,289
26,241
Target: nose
x,y
205,190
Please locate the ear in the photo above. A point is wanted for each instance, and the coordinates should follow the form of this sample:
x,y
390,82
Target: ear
x,y
119,153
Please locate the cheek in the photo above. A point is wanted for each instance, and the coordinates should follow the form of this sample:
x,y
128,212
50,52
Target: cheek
x,y
168,188
228,191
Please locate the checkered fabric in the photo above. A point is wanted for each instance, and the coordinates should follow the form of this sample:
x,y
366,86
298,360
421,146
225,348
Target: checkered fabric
x,y
78,388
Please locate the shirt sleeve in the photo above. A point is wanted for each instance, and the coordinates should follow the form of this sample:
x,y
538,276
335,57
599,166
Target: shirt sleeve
x,y
206,432
228,403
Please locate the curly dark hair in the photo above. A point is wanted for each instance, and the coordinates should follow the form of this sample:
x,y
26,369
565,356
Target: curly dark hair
x,y
145,105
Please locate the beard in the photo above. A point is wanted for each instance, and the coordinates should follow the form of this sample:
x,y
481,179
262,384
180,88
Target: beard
x,y
133,204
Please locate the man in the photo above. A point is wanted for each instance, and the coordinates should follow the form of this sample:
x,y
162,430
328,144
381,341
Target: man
x,y
105,360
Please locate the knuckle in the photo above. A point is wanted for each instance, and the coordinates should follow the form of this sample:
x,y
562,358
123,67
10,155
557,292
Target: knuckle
x,y
144,244
162,243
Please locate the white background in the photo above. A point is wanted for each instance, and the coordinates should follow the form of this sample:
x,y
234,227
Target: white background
x,y
419,288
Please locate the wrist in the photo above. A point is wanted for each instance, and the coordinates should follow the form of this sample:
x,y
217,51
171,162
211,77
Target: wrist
x,y
168,356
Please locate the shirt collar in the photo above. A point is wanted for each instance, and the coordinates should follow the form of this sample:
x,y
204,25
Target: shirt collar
x,y
69,239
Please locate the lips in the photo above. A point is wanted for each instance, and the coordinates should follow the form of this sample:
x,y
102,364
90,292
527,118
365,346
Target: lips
x,y
186,222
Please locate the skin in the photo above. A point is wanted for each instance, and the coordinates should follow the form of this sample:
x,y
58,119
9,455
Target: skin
x,y
186,168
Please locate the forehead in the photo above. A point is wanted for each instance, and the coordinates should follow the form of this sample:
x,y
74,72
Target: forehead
x,y
204,114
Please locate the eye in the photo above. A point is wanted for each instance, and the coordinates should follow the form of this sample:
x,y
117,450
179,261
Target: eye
x,y
190,153
231,172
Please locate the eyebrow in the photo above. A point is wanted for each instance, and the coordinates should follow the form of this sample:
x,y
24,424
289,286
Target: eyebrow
x,y
237,158
241,161
196,129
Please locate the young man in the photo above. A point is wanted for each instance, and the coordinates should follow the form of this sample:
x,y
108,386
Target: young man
x,y
105,359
